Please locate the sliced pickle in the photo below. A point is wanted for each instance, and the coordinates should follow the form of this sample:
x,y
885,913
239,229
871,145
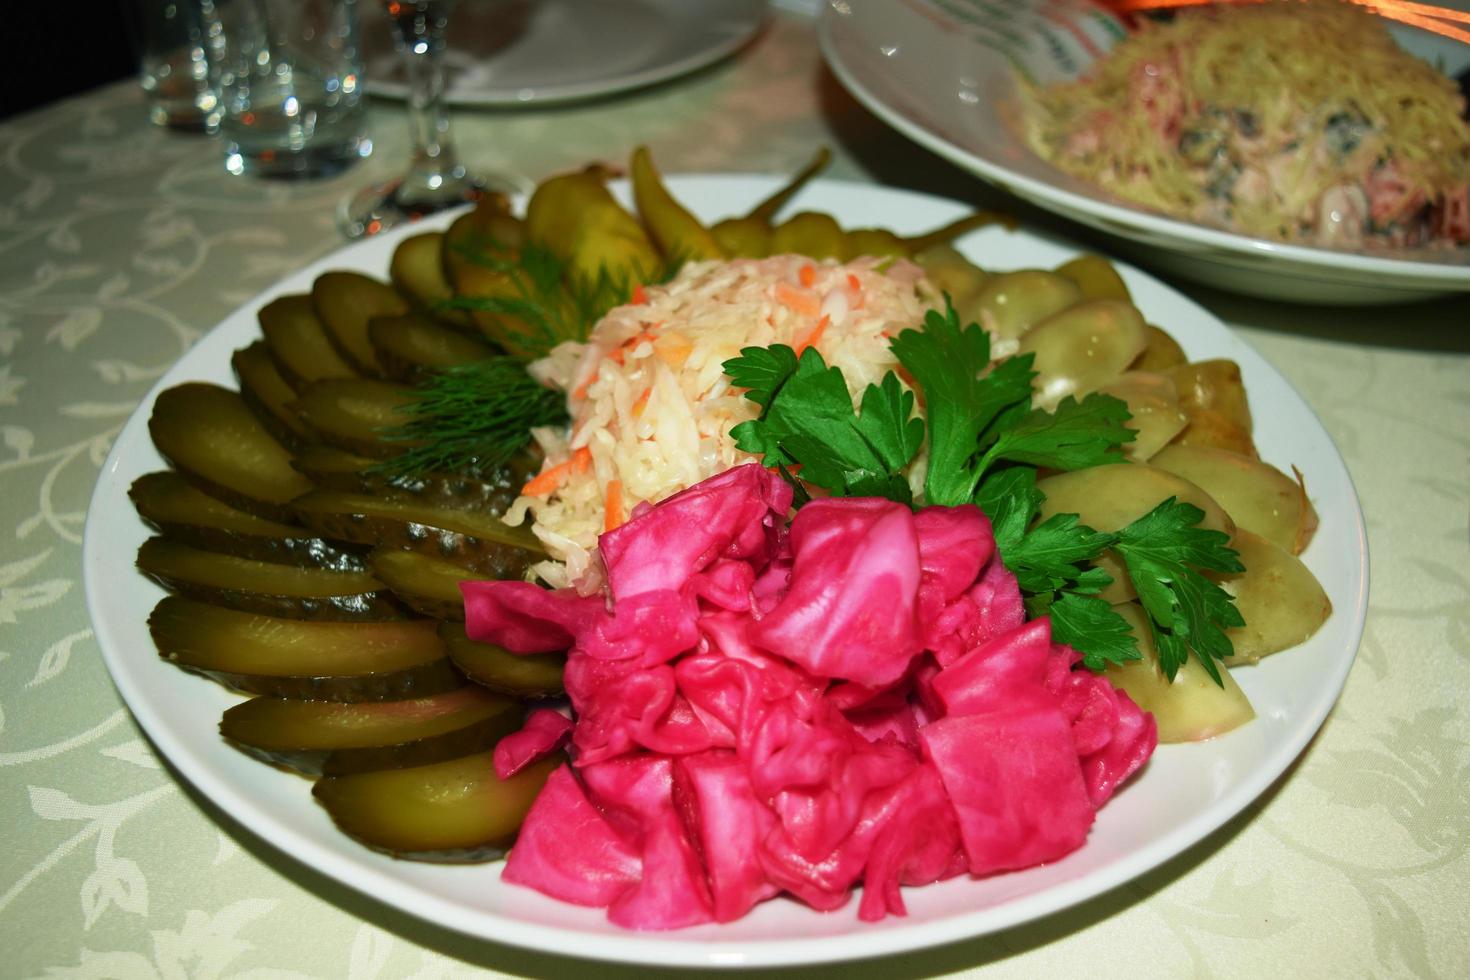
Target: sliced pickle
x,y
292,658
413,345
357,414
183,513
346,301
268,395
266,587
424,584
417,270
1279,598
1256,495
1109,498
476,540
336,469
524,675
298,343
336,738
452,811
212,438
1190,708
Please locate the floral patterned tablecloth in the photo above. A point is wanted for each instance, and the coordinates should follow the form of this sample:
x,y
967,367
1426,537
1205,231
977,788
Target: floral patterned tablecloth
x,y
120,244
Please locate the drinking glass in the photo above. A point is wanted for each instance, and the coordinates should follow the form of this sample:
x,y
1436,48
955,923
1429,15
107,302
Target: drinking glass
x,y
179,49
291,86
436,180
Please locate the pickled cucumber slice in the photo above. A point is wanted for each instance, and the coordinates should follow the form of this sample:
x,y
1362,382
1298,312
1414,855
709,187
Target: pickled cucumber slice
x,y
292,658
476,540
298,343
345,302
168,502
269,396
417,271
331,468
451,811
356,414
266,587
217,443
524,675
337,738
424,584
413,345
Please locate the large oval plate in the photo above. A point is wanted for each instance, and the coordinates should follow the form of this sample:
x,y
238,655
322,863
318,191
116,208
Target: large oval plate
x,y
940,72
1185,792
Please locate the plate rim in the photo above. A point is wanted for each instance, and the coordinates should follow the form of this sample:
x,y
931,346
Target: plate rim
x,y
755,17
1121,219
361,871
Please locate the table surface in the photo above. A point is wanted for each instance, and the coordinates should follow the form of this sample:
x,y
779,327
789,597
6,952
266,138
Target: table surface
x,y
120,244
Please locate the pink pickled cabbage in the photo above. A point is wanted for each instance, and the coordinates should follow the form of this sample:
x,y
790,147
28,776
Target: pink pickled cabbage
x,y
854,701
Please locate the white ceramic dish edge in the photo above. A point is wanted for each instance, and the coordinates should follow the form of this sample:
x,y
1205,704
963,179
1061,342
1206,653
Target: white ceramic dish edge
x,y
278,807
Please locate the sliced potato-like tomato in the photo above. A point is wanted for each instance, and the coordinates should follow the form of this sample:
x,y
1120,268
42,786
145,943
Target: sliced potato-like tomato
x,y
1109,498
1189,708
1280,599
1256,495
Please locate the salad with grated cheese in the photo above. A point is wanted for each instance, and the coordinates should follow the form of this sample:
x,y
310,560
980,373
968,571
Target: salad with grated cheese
x,y
1304,123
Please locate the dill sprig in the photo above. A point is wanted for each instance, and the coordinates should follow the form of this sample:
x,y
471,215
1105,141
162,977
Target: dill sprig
x,y
550,304
473,418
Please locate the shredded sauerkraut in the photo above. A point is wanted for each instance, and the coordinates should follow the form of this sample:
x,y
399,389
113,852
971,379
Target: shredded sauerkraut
x,y
1303,122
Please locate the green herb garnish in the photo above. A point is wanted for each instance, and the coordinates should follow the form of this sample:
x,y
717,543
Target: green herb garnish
x,y
547,303
986,442
808,418
473,418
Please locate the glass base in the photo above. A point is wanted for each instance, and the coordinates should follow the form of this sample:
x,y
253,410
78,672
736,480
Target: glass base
x,y
376,209
279,163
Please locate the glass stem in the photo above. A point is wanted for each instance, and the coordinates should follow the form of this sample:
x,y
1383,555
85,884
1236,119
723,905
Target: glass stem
x,y
435,173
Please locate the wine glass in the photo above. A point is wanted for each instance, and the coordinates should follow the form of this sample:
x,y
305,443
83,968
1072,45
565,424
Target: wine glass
x,y
435,180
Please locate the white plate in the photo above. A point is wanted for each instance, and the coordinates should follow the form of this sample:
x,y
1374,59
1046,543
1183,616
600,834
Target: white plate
x,y
519,52
1184,794
938,72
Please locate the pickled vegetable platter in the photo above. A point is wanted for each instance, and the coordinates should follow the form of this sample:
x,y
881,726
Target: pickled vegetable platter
x,y
1177,800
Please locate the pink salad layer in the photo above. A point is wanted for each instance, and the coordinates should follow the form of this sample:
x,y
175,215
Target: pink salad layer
x,y
855,699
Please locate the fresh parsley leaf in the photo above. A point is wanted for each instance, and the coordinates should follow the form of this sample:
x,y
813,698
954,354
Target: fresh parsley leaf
x,y
809,419
1163,551
962,395
1010,499
888,423
1074,436
762,371
1048,557
1090,626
